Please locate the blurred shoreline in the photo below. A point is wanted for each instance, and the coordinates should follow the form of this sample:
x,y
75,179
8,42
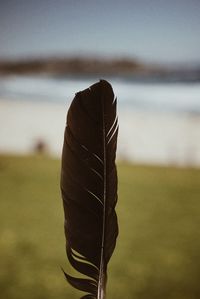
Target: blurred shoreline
x,y
145,137
159,120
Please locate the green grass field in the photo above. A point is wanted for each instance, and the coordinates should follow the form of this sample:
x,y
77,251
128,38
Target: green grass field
x,y
158,249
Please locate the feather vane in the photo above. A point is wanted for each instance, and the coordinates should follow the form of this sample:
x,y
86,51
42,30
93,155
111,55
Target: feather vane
x,y
89,186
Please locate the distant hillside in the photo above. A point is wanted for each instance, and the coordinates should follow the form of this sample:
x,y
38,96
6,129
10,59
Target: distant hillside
x,y
122,67
76,66
73,65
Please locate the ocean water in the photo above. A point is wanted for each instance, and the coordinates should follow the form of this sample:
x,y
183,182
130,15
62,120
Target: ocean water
x,y
173,97
159,121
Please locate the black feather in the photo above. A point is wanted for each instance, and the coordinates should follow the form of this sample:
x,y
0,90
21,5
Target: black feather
x,y
89,186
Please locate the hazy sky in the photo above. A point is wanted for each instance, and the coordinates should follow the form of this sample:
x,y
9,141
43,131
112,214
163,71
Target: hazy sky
x,y
153,30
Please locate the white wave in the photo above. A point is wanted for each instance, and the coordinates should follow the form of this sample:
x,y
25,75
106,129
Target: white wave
x,y
153,96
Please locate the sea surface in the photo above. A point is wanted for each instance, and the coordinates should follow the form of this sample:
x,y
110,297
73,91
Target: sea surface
x,y
159,121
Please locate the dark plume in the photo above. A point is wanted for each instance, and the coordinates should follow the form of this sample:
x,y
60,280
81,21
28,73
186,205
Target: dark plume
x,y
89,186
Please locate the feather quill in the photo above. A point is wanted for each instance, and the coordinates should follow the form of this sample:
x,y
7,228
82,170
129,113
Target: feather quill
x,y
89,186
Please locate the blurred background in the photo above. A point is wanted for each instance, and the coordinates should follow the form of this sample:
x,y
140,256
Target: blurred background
x,y
150,52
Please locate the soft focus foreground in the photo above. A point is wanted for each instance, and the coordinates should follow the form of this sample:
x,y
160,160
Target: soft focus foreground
x,y
158,249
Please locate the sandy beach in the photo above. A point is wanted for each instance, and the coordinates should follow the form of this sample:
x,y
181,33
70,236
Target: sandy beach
x,y
144,136
23,123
